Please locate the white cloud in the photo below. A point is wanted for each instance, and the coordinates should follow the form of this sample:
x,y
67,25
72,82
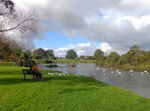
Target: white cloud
x,y
86,49
45,48
138,23
105,47
81,18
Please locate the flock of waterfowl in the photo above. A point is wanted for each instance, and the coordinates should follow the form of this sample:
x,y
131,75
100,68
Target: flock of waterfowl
x,y
59,74
113,72
119,73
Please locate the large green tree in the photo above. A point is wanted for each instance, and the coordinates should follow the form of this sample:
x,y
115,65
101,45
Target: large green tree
x,y
49,54
98,54
113,58
39,52
71,54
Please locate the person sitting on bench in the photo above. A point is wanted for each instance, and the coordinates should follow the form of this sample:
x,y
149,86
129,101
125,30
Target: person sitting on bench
x,y
35,68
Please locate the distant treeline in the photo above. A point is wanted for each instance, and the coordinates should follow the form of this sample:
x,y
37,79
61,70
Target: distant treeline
x,y
11,52
134,59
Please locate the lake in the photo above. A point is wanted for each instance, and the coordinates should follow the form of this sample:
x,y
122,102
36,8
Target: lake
x,y
137,82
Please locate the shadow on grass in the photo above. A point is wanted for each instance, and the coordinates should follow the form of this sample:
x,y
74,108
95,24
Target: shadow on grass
x,y
67,81
10,81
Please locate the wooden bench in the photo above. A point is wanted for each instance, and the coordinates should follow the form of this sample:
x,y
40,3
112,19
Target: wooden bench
x,y
31,72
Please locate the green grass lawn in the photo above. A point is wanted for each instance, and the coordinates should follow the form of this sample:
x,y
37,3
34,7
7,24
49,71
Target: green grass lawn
x,y
72,93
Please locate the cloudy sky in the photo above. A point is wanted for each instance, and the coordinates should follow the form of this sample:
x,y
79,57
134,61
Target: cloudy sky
x,y
85,25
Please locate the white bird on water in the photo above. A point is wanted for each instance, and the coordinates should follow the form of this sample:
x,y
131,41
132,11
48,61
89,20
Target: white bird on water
x,y
117,70
142,73
97,68
112,71
119,73
104,74
146,72
131,71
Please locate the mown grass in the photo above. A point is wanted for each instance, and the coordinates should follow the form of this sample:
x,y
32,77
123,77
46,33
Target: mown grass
x,y
71,93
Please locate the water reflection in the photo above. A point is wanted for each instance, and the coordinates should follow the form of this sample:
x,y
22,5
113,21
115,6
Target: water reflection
x,y
138,82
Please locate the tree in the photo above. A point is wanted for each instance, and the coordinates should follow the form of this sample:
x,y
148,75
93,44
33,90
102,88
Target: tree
x,y
71,54
39,52
135,47
37,57
113,58
82,57
29,54
6,52
49,54
98,54
8,4
23,59
11,20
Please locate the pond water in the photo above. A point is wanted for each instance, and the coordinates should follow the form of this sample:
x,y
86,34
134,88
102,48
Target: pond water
x,y
137,82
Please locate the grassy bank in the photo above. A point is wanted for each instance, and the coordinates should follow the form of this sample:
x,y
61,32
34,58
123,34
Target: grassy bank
x,y
71,93
75,61
43,61
139,68
136,68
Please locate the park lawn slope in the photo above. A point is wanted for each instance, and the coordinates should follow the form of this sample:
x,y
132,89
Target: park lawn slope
x,y
72,93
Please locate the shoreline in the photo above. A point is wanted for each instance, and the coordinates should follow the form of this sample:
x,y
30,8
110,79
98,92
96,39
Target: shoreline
x,y
129,67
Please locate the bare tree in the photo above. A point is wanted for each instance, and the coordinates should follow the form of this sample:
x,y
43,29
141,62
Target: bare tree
x,y
11,20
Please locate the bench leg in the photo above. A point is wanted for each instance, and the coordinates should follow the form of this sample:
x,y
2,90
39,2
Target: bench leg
x,y
38,77
24,76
